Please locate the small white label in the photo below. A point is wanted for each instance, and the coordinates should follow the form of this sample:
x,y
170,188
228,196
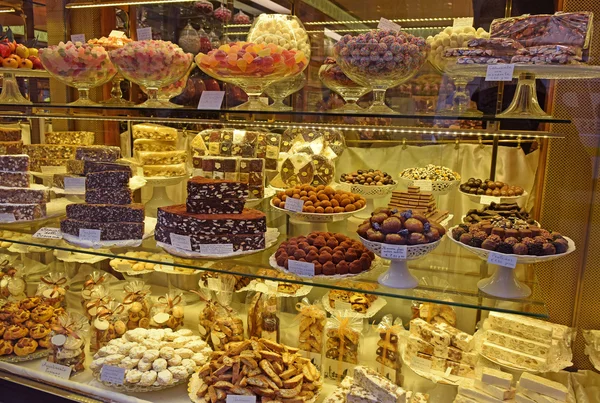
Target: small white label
x,y
295,205
48,233
343,306
92,235
502,260
75,185
420,364
111,374
144,34
60,371
386,24
333,35
499,72
424,185
211,99
117,34
490,199
240,399
181,241
462,22
7,217
214,283
53,170
78,38
393,251
58,339
303,269
216,249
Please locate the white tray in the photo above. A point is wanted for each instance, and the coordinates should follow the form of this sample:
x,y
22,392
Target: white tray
x,y
503,199
375,265
149,224
317,217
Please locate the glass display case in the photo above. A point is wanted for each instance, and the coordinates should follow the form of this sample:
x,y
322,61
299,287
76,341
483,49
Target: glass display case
x,y
308,201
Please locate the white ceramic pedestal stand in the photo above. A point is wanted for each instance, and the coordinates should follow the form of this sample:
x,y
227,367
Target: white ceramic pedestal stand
x,y
160,197
318,221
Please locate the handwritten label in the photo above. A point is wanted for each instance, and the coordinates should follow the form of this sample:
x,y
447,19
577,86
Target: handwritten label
x,y
75,185
393,251
295,205
490,199
502,260
420,364
214,283
303,269
181,241
424,185
117,34
386,24
60,371
333,35
144,34
48,233
211,99
112,374
53,170
240,399
92,235
216,249
78,38
7,217
462,22
499,72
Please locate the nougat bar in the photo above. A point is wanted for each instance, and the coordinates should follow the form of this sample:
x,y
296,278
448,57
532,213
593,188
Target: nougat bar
x,y
50,151
181,222
164,170
356,394
240,242
417,345
515,357
544,386
456,368
24,212
495,391
454,354
109,196
427,332
382,388
459,339
85,167
109,231
215,206
154,145
467,388
14,179
161,157
527,396
23,195
11,147
155,132
14,163
107,179
518,343
7,134
201,188
98,153
36,164
496,377
518,325
58,180
81,138
106,212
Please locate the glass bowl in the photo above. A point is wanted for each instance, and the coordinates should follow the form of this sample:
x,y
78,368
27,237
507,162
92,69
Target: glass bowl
x,y
334,78
380,59
152,64
165,94
252,67
81,66
111,43
284,30
280,90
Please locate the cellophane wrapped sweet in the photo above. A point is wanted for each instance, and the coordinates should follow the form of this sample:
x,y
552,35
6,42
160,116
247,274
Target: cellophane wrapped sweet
x,y
342,345
67,346
167,311
311,328
53,288
137,304
108,324
389,332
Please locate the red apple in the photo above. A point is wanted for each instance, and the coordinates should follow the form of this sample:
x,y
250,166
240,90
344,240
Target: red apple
x,y
4,50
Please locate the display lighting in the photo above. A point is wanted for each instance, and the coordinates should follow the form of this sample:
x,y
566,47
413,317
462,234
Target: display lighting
x,y
7,10
117,3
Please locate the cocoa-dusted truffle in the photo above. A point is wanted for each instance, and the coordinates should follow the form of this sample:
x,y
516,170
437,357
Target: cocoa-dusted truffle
x,y
318,268
489,244
337,257
548,249
299,254
466,239
520,249
391,225
504,247
413,225
332,242
355,267
325,257
329,268
561,245
342,267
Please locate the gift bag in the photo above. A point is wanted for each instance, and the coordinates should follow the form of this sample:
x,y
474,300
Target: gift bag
x,y
67,341
167,312
12,282
53,288
342,345
92,298
311,319
388,348
137,304
108,324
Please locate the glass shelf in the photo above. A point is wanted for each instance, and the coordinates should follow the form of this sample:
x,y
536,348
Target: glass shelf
x,y
448,275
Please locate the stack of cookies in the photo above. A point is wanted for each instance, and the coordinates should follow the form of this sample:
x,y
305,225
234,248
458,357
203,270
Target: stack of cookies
x,y
419,202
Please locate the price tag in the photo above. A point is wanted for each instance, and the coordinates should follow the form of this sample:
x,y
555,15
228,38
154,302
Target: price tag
x,y
144,34
211,99
117,34
388,25
343,306
489,199
303,269
292,204
420,364
92,235
240,399
53,170
462,22
502,260
499,72
393,251
424,185
78,38
333,35
60,371
75,185
214,283
7,217
48,233
111,374
216,249
181,241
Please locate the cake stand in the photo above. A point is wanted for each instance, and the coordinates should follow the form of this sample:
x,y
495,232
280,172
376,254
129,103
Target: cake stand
x,y
370,193
501,199
160,197
460,98
525,103
10,88
398,275
375,266
504,283
438,188
318,221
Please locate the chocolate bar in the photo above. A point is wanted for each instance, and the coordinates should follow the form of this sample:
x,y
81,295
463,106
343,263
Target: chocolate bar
x,y
240,242
14,179
267,148
178,220
14,163
252,171
24,212
7,134
50,151
215,206
154,145
107,179
98,153
154,132
109,231
81,138
85,167
201,188
58,180
106,212
109,196
324,170
161,157
23,195
221,168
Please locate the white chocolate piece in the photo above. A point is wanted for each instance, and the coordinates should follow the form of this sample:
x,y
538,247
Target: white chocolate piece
x,y
544,386
129,363
495,391
512,356
175,361
496,377
137,352
184,352
521,326
518,343
144,365
467,388
150,355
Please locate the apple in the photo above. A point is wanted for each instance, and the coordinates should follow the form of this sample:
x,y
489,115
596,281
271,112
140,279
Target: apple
x,y
26,64
10,63
4,50
37,64
13,46
22,51
33,52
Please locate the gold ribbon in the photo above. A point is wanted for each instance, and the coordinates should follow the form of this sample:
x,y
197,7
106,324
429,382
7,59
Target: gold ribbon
x,y
65,330
341,331
134,296
169,302
91,282
107,312
55,285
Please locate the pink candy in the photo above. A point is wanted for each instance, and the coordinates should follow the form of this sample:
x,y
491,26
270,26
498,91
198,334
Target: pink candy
x,y
77,62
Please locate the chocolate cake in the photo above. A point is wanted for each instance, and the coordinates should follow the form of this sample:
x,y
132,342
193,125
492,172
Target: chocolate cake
x,y
110,231
106,212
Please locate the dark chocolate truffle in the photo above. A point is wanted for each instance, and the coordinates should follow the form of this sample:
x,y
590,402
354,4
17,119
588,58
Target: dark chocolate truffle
x,y
511,240
391,225
378,218
415,238
489,244
466,239
535,249
520,249
561,245
504,247
548,249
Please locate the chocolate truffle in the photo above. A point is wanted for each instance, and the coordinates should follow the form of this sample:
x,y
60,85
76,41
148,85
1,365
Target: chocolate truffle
x,y
487,228
489,244
342,267
413,225
375,236
391,225
395,239
535,231
520,249
318,268
535,249
420,217
325,257
362,230
416,238
432,235
511,240
378,218
457,232
441,230
561,245
539,239
337,257
329,268
466,239
504,247
355,267
548,249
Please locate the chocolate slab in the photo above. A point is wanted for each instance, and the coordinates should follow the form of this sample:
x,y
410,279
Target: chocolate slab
x,y
107,179
97,153
23,195
14,179
85,167
110,231
215,206
11,147
108,196
24,212
200,188
14,163
7,134
240,242
106,212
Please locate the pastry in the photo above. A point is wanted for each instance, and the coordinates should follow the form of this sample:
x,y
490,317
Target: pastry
x,y
6,347
15,332
25,346
39,331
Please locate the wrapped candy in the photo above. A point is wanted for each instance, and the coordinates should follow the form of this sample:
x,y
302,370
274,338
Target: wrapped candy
x,y
12,283
388,351
67,341
52,289
241,18
107,325
137,303
310,336
342,342
168,311
98,278
204,6
222,14
93,299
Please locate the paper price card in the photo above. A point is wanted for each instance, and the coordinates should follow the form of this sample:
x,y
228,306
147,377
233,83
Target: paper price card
x,y
111,374
75,185
216,249
48,233
181,241
393,251
462,22
144,34
424,185
499,72
117,34
240,399
92,235
295,205
60,371
502,260
211,99
489,199
78,38
303,269
7,217
386,24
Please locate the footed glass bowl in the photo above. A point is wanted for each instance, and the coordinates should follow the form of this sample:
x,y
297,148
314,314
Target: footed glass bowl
x,y
280,90
334,78
165,94
80,66
286,31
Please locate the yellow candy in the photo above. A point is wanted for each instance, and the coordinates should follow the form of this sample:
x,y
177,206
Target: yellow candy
x,y
264,52
241,63
225,48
